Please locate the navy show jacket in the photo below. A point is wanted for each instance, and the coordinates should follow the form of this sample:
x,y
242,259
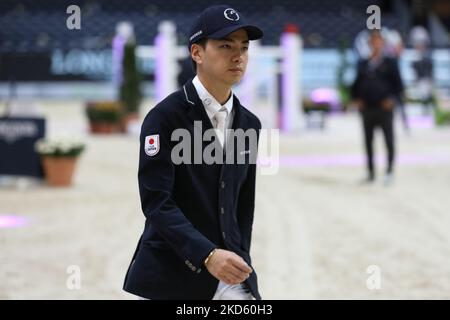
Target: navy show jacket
x,y
190,209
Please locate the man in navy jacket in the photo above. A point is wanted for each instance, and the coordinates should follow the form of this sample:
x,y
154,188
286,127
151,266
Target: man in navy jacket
x,y
199,215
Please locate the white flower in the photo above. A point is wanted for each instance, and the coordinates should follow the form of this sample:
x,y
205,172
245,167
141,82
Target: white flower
x,y
59,146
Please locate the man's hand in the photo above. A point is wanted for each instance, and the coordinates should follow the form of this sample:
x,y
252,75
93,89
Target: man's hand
x,y
359,104
228,267
387,104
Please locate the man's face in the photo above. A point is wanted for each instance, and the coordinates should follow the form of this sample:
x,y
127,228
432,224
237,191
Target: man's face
x,y
376,42
224,60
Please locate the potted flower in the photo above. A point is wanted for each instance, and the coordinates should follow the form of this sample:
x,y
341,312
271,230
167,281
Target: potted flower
x,y
315,113
311,106
104,116
59,157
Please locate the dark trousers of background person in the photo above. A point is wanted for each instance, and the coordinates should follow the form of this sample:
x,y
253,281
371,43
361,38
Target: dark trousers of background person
x,y
371,120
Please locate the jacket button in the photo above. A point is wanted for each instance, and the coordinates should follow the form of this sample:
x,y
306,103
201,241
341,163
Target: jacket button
x,y
222,210
194,268
223,184
223,233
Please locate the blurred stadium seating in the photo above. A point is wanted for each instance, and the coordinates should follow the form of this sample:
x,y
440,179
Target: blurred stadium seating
x,y
37,26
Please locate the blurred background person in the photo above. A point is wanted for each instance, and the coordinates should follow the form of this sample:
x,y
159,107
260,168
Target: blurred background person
x,y
374,90
423,67
394,49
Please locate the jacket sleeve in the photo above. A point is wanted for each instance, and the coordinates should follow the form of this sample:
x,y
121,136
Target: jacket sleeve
x,y
354,89
246,204
397,83
156,178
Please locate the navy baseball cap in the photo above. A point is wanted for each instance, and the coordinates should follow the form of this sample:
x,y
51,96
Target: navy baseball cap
x,y
216,22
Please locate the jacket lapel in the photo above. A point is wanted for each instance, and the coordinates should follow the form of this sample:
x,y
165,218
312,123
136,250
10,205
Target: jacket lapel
x,y
197,112
238,121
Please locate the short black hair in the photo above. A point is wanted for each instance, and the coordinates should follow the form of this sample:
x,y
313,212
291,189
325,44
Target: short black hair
x,y
202,43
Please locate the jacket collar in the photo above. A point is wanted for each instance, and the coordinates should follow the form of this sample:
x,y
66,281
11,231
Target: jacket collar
x,y
197,112
209,102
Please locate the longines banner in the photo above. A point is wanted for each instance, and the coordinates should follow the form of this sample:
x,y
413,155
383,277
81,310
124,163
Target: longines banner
x,y
319,66
64,65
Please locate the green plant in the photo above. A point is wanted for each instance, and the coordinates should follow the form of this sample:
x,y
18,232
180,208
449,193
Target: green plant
x,y
442,109
104,111
309,105
130,91
442,117
343,87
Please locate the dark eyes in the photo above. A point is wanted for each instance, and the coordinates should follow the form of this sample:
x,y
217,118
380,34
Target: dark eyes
x,y
227,46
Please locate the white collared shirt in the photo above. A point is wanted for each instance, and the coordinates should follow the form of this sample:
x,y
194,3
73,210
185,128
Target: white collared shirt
x,y
211,105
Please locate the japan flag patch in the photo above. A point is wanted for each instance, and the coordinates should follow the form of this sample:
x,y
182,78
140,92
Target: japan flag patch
x,y
152,145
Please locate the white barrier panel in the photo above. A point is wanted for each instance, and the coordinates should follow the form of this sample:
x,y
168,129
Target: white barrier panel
x,y
248,86
166,67
291,100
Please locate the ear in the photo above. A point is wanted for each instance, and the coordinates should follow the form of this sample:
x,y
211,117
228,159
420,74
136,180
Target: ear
x,y
197,53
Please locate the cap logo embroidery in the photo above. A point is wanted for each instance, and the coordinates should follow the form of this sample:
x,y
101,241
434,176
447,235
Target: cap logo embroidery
x,y
231,14
195,35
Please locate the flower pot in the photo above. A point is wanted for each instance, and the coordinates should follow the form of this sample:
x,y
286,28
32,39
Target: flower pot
x,y
103,127
59,170
104,116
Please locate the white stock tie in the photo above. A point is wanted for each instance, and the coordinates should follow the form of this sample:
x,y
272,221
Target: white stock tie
x,y
220,120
